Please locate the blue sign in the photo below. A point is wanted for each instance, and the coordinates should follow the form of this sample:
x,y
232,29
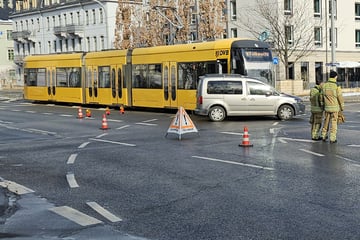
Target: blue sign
x,y
275,60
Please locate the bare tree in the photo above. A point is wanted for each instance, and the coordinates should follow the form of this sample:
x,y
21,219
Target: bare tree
x,y
161,22
291,32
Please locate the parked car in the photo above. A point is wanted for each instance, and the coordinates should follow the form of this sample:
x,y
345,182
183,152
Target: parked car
x,y
222,95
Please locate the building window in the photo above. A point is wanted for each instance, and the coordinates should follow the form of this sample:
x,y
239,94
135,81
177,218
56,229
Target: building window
x,y
289,34
94,16
11,54
318,71
48,23
54,45
233,10
357,38
335,8
8,35
101,15
305,74
72,18
357,11
330,37
102,42
291,70
234,32
318,36
317,8
287,7
87,17
78,18
95,44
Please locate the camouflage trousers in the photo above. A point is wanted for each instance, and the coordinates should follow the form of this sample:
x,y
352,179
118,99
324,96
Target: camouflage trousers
x,y
316,121
330,123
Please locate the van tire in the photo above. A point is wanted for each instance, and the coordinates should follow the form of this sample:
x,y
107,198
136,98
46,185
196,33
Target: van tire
x,y
285,112
217,114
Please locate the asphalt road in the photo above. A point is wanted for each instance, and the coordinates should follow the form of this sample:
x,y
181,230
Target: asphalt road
x,y
154,187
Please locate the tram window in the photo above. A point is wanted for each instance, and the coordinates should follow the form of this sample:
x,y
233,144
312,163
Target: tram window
x,y
139,76
189,73
154,74
74,77
61,77
104,77
30,76
41,77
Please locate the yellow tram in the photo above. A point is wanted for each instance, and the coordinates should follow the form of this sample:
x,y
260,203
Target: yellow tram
x,y
153,77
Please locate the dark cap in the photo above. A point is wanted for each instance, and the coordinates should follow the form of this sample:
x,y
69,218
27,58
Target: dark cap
x,y
333,74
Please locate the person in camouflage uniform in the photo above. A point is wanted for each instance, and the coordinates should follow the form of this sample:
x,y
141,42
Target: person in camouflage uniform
x,y
317,108
333,103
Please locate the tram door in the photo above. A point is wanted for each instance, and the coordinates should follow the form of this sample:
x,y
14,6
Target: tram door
x,y
92,85
51,82
170,88
117,86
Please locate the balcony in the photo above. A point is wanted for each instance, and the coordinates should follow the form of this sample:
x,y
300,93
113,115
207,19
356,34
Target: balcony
x,y
69,30
75,30
19,59
23,36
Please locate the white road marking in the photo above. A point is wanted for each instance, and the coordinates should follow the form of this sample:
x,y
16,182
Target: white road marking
x,y
234,163
70,177
102,211
150,120
15,188
123,127
41,131
232,133
352,145
113,142
71,159
114,120
101,135
283,140
30,111
349,160
66,115
83,145
47,113
75,216
146,124
313,153
275,123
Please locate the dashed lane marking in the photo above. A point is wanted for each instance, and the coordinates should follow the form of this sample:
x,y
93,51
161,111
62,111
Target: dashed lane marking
x,y
311,152
70,177
83,145
122,127
234,163
75,216
113,142
146,124
15,188
102,211
71,159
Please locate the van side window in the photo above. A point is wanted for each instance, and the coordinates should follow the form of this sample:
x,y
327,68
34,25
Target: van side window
x,y
224,87
255,88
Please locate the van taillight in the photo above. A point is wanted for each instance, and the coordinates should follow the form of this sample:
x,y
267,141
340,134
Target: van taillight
x,y
200,100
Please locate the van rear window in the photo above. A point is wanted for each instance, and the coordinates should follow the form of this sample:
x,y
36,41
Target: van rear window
x,y
224,87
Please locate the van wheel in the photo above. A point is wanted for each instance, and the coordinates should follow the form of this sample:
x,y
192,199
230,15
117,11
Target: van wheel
x,y
217,114
285,112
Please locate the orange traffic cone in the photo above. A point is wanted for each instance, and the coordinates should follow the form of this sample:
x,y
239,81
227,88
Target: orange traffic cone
x,y
246,140
122,109
88,113
107,111
104,125
80,113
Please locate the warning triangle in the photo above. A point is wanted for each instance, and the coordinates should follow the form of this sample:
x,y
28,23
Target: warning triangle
x,y
181,123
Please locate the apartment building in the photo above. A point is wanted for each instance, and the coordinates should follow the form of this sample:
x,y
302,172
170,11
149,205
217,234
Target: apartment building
x,y
7,66
317,62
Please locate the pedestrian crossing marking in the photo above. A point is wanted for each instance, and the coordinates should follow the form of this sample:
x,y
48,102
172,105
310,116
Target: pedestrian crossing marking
x,y
102,211
75,216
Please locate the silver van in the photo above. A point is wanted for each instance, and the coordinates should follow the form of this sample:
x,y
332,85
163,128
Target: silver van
x,y
221,95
